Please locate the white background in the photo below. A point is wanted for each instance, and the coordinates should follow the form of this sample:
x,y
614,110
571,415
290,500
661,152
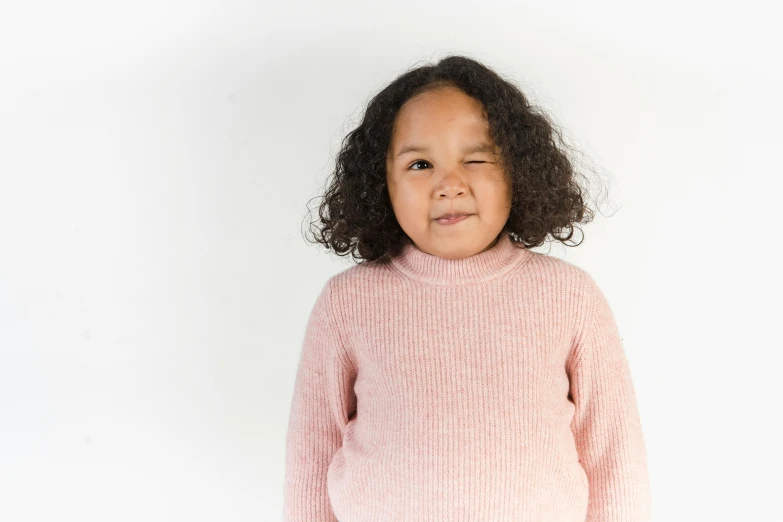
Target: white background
x,y
157,160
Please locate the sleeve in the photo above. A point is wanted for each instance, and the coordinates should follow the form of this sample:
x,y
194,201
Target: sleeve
x,y
323,400
606,424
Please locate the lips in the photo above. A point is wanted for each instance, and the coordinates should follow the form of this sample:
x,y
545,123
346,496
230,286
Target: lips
x,y
452,215
457,218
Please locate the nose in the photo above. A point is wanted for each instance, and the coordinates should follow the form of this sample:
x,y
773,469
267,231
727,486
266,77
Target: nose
x,y
451,186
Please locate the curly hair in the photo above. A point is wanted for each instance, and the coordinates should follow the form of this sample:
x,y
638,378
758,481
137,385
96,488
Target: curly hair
x,y
356,215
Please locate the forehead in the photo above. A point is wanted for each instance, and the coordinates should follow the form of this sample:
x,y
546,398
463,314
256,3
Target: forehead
x,y
444,104
441,113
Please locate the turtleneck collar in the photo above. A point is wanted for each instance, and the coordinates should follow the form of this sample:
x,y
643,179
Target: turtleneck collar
x,y
498,260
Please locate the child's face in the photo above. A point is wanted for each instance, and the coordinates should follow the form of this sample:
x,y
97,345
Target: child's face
x,y
445,176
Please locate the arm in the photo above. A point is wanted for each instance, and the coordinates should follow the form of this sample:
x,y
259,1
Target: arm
x,y
606,423
322,400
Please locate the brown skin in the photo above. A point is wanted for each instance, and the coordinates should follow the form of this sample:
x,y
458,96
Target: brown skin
x,y
444,177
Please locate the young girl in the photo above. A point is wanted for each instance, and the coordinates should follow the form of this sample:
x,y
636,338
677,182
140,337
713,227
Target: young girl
x,y
454,374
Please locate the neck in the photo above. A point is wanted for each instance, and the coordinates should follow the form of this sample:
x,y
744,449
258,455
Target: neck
x,y
500,257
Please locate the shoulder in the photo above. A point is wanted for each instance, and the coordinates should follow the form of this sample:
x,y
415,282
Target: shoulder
x,y
360,281
564,284
559,272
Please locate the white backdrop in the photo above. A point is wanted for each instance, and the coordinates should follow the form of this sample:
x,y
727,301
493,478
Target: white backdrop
x,y
157,160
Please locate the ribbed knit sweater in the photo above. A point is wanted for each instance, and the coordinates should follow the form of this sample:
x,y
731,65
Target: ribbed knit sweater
x,y
489,388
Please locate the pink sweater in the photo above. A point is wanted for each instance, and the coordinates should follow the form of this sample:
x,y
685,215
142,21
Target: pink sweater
x,y
490,388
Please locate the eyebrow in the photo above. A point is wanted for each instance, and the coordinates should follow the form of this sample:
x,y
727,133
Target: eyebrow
x,y
479,147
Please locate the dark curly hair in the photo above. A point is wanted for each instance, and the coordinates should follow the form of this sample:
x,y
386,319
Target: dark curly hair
x,y
356,216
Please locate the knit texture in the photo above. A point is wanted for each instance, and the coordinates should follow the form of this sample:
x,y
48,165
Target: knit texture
x,y
489,388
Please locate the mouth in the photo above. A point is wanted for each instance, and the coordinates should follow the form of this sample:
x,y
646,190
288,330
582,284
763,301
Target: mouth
x,y
449,219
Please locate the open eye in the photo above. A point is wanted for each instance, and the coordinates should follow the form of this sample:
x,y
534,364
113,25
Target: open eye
x,y
423,161
416,162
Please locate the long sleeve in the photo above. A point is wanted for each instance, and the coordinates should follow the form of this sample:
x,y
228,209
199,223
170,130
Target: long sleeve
x,y
606,425
322,402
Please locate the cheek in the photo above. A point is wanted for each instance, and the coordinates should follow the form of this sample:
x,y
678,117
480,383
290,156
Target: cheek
x,y
503,187
411,195
495,184
409,202
495,196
